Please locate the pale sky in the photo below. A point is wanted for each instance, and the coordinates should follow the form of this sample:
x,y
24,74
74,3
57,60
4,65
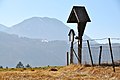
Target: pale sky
x,y
104,14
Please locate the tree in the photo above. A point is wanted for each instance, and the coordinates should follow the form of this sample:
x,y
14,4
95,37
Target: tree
x,y
1,66
20,65
28,66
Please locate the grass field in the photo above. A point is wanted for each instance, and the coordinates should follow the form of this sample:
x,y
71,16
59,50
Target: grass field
x,y
71,72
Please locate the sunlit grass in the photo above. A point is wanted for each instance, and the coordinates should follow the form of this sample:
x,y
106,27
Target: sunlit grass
x,y
71,72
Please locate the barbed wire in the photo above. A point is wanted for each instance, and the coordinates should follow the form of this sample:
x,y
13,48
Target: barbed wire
x,y
95,48
115,38
95,39
97,45
101,39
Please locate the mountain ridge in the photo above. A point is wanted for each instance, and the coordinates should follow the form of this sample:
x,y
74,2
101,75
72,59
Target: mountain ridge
x,y
40,28
45,28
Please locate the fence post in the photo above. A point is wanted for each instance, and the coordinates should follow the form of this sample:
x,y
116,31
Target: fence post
x,y
71,53
111,54
67,58
100,55
90,52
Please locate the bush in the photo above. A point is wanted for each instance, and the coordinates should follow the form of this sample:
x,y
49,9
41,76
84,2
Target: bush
x,y
19,65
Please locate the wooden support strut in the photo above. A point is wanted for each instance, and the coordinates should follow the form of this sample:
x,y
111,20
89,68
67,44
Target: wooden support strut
x,y
76,55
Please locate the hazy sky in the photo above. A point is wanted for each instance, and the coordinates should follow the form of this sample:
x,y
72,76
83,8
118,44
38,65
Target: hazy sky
x,y
104,14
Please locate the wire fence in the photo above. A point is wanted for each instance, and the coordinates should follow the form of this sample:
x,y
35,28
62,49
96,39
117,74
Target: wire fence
x,y
95,51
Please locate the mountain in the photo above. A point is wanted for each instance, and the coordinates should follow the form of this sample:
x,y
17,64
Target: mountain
x,y
36,41
31,51
3,28
41,28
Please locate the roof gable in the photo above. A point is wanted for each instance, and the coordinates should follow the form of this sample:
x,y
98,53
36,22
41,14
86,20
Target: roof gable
x,y
78,14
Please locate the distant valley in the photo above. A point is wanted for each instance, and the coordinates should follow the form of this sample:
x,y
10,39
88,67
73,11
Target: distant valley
x,y
35,52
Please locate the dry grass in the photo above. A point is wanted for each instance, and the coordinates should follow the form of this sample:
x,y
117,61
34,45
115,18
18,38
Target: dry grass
x,y
71,72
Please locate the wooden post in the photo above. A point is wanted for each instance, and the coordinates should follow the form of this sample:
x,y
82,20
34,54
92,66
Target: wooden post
x,y
79,15
71,53
81,28
100,55
67,58
79,49
71,39
111,54
90,52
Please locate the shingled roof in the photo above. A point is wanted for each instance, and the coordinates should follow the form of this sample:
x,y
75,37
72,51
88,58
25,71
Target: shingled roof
x,y
78,14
